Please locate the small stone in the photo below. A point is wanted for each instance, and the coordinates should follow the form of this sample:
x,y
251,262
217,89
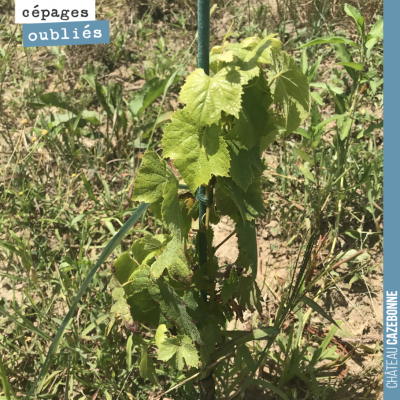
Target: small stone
x,y
366,300
264,234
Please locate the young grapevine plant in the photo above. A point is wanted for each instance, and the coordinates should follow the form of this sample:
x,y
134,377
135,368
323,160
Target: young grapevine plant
x,y
254,91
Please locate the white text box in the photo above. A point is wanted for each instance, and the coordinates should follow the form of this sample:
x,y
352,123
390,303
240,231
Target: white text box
x,y
42,11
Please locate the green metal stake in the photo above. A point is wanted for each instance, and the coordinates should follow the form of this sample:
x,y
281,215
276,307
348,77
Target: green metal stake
x,y
204,63
207,385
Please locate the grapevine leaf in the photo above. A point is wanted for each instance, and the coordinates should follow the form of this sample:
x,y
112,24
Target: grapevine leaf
x,y
170,209
227,56
230,286
146,367
173,258
141,251
196,307
145,310
225,204
138,281
120,308
183,349
150,182
238,49
186,218
156,209
160,334
156,242
242,161
253,117
188,352
249,294
174,309
250,203
247,243
248,60
275,120
124,267
206,97
211,335
290,87
168,348
263,50
197,152
248,71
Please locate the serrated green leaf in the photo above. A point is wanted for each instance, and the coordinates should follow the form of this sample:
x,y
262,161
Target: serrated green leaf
x,y
188,352
230,286
240,51
247,243
274,121
198,152
210,335
253,119
141,253
206,97
249,203
124,267
144,309
171,209
173,258
242,161
263,51
182,348
120,308
138,281
160,334
156,242
186,218
174,309
290,87
249,60
151,180
156,209
168,348
146,367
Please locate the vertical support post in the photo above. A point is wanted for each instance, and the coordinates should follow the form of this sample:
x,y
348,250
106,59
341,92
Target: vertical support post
x,y
207,385
203,61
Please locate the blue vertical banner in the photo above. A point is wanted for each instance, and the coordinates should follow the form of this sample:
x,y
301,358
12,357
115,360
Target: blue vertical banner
x,y
66,33
391,201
